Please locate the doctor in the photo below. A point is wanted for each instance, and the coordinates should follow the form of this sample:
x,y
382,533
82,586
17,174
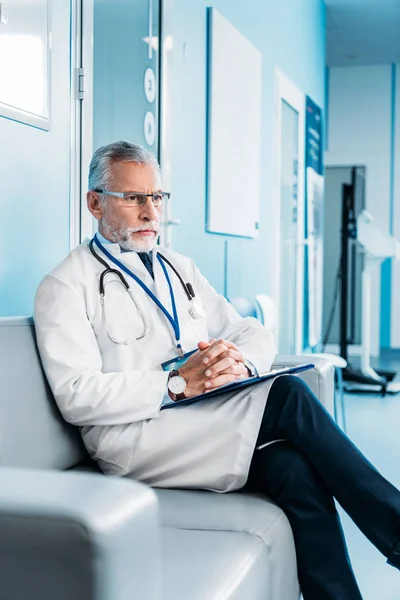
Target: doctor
x,y
119,307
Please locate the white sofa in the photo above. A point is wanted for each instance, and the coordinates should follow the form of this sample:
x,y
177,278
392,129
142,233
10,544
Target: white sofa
x,y
68,531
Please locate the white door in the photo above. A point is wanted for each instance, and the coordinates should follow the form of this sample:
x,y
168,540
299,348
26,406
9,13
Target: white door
x,y
289,195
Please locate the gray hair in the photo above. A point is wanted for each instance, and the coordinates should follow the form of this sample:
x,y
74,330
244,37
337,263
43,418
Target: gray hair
x,y
99,170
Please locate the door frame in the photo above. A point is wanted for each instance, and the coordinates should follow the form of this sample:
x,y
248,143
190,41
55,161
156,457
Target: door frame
x,y
88,222
286,91
165,116
81,138
74,194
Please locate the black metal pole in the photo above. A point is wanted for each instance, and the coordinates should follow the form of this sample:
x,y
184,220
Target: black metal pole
x,y
351,236
346,205
353,290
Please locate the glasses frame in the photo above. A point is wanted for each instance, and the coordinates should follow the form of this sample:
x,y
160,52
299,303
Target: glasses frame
x,y
123,195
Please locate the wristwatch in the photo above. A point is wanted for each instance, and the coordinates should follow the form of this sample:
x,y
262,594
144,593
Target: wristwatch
x,y
177,385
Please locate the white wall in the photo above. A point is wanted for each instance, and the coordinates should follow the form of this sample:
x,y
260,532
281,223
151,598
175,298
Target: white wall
x,y
360,133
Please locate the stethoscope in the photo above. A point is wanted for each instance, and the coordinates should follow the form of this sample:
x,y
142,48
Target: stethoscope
x,y
173,319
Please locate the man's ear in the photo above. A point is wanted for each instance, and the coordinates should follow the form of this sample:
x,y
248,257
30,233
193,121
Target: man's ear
x,y
94,204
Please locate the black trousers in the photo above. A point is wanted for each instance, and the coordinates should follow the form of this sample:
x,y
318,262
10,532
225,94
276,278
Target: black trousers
x,y
303,474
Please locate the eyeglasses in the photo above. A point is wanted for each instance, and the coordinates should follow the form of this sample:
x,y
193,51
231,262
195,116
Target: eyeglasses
x,y
136,199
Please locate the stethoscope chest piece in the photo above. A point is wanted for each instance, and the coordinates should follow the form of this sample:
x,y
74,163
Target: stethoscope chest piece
x,y
195,310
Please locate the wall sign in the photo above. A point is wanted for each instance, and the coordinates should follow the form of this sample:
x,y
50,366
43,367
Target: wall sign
x,y
150,85
149,128
314,222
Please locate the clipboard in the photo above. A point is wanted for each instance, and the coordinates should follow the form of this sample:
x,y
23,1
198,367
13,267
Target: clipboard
x,y
239,385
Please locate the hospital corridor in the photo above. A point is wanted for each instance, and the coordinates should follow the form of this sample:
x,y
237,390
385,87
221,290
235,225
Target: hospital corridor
x,y
199,300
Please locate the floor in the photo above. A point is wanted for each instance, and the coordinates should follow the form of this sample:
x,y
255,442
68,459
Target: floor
x,y
373,423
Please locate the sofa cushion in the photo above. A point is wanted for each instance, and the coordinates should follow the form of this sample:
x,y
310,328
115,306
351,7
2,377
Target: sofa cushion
x,y
248,521
211,565
32,431
87,466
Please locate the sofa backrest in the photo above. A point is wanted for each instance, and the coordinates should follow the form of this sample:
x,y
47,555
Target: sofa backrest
x,y
32,431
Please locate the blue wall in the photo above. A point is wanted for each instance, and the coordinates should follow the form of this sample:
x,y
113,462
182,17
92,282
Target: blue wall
x,y
34,165
120,59
292,39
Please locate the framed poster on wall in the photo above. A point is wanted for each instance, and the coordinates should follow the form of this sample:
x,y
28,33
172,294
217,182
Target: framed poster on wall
x,y
25,62
233,130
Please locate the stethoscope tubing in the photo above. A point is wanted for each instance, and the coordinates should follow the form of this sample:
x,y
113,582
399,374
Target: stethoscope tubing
x,y
187,287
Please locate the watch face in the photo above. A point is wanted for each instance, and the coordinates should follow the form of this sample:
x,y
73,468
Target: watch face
x,y
177,384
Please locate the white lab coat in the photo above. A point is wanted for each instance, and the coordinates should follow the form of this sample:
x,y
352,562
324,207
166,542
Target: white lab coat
x,y
114,392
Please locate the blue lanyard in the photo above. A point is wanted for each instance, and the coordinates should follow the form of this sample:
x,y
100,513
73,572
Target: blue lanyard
x,y
172,319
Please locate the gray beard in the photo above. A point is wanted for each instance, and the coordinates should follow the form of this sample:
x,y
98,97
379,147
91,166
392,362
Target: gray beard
x,y
123,237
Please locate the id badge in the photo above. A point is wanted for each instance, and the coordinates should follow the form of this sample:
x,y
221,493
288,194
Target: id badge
x,y
175,363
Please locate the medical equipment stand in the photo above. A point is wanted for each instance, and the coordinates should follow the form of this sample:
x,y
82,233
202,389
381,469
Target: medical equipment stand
x,y
348,237
377,247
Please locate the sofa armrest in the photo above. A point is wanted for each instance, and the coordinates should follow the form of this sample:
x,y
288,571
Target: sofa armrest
x,y
321,379
76,535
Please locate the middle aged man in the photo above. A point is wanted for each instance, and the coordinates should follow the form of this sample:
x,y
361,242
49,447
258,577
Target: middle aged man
x,y
118,308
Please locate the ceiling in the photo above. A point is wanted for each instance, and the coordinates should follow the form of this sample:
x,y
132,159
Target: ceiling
x,y
362,32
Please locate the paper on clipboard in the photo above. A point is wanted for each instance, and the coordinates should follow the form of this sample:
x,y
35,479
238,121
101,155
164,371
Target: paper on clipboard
x,y
239,385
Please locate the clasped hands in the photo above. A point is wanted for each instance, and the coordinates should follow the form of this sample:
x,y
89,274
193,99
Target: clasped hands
x,y
216,363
